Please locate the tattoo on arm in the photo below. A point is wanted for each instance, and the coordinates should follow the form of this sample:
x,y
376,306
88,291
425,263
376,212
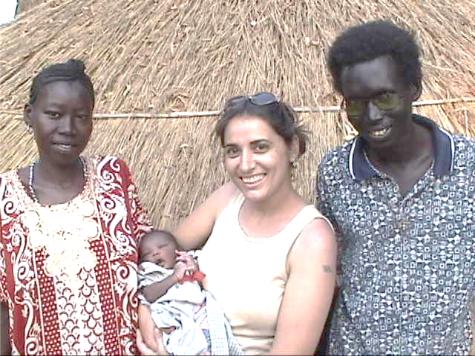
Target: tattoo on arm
x,y
327,269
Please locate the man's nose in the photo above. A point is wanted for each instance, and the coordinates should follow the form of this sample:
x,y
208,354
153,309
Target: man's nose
x,y
373,112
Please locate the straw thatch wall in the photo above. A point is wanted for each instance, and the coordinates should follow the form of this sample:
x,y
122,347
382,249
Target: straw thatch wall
x,y
26,5
153,56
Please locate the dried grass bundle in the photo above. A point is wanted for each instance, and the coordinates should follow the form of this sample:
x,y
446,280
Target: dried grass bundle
x,y
153,56
27,5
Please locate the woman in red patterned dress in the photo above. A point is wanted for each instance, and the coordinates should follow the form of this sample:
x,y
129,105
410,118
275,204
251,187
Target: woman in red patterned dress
x,y
70,226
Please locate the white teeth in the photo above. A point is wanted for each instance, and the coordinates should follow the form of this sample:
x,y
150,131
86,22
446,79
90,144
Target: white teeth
x,y
379,133
252,179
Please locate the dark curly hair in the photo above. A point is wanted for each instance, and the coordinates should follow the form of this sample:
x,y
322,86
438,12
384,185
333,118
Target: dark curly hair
x,y
373,39
71,70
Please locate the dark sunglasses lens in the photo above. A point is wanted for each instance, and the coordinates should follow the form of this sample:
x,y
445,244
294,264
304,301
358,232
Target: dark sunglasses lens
x,y
354,108
263,98
387,101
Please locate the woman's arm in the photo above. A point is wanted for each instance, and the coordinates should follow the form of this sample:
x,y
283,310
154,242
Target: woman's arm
x,y
194,230
309,291
5,348
149,337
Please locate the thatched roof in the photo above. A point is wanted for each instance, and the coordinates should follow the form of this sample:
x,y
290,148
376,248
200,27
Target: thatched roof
x,y
26,5
149,56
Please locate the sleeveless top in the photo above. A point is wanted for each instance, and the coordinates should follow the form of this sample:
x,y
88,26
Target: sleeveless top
x,y
247,275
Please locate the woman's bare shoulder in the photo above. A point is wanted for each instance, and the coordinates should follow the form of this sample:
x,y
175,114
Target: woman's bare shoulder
x,y
316,238
221,197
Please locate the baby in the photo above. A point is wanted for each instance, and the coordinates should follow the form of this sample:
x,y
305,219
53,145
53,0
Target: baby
x,y
169,282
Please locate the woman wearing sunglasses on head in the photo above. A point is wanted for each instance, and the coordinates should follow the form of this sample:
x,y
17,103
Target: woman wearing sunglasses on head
x,y
268,256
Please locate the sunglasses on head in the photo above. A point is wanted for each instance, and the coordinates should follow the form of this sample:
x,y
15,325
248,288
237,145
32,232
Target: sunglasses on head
x,y
259,99
386,101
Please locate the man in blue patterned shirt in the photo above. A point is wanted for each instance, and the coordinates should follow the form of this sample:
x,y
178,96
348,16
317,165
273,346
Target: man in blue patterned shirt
x,y
401,196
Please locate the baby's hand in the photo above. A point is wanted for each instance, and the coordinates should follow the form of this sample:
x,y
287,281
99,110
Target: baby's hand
x,y
180,270
186,258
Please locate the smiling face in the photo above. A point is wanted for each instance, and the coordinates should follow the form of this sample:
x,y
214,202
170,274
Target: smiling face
x,y
257,158
61,118
387,101
159,248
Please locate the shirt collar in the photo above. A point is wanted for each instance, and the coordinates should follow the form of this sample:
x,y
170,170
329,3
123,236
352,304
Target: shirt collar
x,y
361,169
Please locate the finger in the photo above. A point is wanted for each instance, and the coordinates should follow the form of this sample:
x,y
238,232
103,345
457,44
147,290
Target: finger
x,y
181,259
144,350
144,344
159,338
188,260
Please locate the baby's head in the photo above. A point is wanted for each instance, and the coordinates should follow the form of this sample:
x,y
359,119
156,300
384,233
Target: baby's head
x,y
158,246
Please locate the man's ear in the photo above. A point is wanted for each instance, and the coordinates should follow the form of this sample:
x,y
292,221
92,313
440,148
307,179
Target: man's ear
x,y
27,115
416,91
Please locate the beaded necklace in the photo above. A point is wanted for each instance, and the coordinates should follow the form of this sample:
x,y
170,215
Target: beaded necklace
x,y
64,231
32,175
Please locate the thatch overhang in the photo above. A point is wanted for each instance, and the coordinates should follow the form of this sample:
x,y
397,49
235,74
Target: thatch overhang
x,y
151,56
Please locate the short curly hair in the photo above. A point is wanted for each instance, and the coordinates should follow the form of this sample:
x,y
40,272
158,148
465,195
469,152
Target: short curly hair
x,y
373,39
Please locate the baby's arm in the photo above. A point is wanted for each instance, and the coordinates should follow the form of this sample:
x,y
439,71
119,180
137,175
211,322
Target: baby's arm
x,y
155,290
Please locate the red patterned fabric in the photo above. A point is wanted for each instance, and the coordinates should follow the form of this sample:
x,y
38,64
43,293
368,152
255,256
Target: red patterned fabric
x,y
69,271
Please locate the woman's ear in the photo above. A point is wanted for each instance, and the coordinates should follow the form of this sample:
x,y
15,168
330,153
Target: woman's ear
x,y
294,149
27,115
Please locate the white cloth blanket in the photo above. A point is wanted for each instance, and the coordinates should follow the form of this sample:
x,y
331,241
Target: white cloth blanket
x,y
182,308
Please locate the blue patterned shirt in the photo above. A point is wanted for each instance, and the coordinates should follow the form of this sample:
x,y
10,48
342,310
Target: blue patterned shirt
x,y
407,262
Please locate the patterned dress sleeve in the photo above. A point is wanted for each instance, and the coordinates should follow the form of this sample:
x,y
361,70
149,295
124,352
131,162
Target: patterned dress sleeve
x,y
139,217
322,202
3,273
